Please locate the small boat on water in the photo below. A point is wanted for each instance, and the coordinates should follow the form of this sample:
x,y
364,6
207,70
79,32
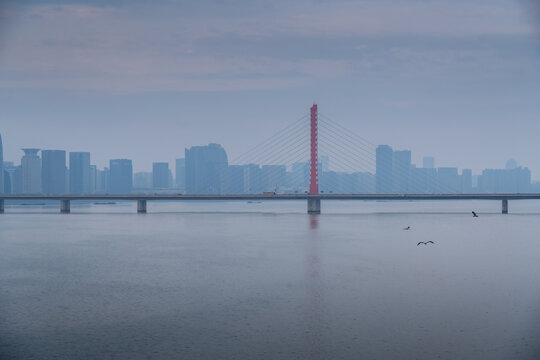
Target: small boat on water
x,y
105,203
254,202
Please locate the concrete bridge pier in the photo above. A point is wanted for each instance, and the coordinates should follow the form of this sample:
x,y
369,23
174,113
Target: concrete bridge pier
x,y
314,206
141,206
65,206
505,206
1,206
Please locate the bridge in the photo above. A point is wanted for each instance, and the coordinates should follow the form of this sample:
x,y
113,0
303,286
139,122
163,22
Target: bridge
x,y
313,201
340,139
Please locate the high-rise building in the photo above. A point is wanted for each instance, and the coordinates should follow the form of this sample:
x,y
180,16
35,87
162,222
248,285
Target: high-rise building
x,y
466,181
273,177
142,182
329,182
79,172
428,162
238,179
121,176
102,180
383,173
300,175
160,175
181,174
401,169
423,180
324,163
1,167
449,181
16,179
206,169
365,182
517,180
511,164
53,172
12,178
92,182
31,172
255,184
7,182
170,178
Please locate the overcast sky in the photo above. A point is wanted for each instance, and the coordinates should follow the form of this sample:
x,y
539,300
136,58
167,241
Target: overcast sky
x,y
455,79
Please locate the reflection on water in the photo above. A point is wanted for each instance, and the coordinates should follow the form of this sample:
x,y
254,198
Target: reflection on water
x,y
313,221
271,282
318,349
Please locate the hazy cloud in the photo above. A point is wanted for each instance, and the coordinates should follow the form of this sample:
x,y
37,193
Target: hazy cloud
x,y
220,45
442,71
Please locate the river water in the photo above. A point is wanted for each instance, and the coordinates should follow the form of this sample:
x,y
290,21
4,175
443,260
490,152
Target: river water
x,y
238,280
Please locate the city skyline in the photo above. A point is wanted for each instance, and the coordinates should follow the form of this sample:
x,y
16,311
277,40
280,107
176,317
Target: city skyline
x,y
456,80
207,169
251,179
418,159
422,160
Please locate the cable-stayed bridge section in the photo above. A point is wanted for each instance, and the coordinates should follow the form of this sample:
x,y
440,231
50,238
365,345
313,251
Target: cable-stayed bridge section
x,y
288,166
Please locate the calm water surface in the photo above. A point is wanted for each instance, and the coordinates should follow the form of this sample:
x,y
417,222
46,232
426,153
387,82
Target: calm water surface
x,y
267,281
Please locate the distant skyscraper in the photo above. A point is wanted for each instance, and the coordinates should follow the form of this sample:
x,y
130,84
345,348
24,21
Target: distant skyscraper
x,y
16,180
142,182
384,164
160,175
428,162
329,182
206,169
121,176
102,181
449,181
300,175
79,172
1,167
238,179
31,172
53,172
7,182
324,163
401,169
516,180
12,178
93,176
423,180
181,174
466,181
273,177
9,168
255,184
511,164
365,183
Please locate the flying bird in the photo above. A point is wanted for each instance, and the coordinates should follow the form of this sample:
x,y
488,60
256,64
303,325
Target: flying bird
x,y
425,242
474,214
407,228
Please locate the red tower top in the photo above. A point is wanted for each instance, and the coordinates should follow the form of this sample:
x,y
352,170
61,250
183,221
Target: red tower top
x,y
314,173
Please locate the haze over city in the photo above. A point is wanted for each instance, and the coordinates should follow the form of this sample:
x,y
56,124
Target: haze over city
x,y
253,180
457,80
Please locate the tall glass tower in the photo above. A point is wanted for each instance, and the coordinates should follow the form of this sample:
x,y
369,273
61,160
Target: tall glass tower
x,y
79,172
31,171
121,176
206,169
384,166
53,171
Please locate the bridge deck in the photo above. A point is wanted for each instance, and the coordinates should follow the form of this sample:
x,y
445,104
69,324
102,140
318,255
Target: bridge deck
x,y
181,197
